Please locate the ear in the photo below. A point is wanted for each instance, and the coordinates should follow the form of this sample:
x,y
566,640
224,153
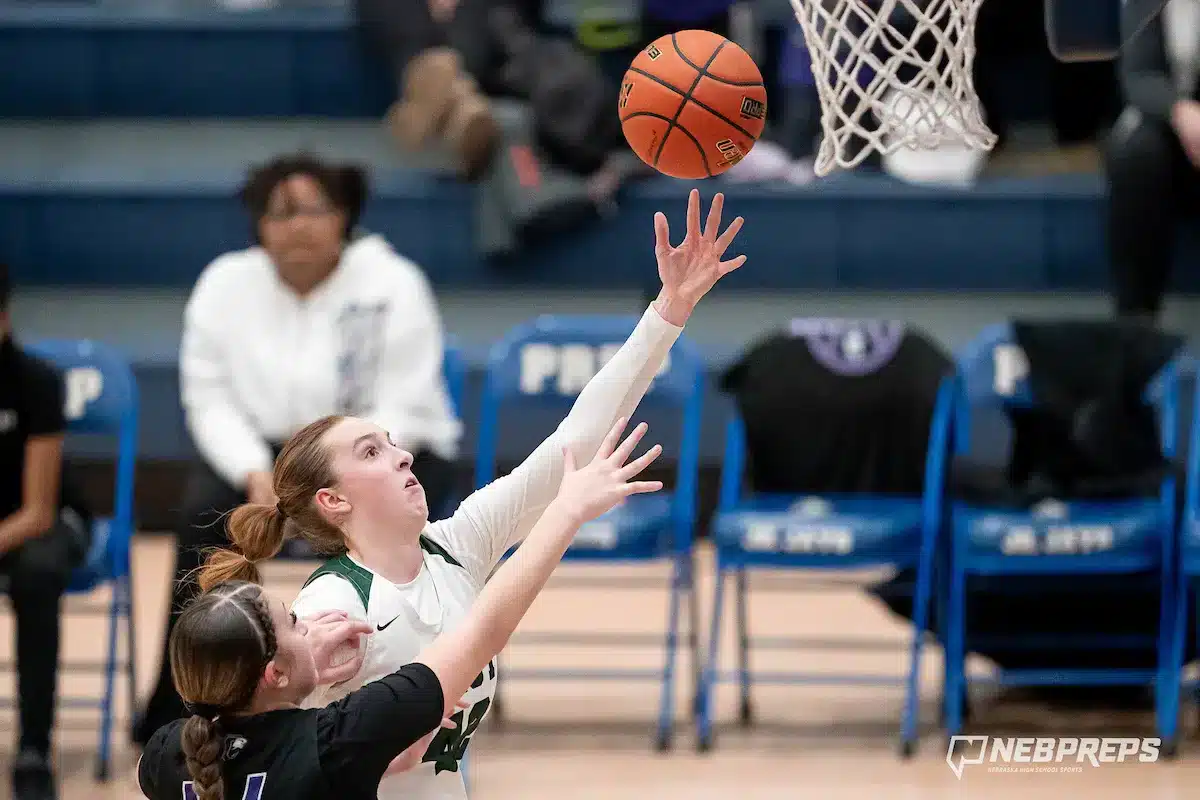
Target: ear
x,y
273,676
331,502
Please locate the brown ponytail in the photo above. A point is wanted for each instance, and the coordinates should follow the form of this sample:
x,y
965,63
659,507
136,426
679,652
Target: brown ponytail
x,y
201,739
257,533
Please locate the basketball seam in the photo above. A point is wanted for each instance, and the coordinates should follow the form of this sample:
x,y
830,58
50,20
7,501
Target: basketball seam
x,y
707,108
684,131
701,72
704,69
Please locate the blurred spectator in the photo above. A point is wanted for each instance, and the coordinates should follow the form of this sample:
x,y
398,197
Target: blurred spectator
x,y
1081,95
787,150
571,101
564,158
440,52
314,320
662,17
1153,156
41,541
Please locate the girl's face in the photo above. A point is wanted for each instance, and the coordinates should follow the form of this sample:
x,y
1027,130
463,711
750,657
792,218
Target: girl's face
x,y
302,232
375,481
292,671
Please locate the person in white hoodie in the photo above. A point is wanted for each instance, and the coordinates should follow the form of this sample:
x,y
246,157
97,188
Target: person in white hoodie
x,y
315,319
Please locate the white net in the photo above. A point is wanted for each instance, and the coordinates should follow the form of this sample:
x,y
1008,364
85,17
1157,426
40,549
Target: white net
x,y
892,74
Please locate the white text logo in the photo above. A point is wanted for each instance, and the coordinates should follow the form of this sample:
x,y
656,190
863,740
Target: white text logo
x,y
1045,753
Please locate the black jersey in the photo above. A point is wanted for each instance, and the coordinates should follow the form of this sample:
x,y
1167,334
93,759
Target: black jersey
x,y
340,751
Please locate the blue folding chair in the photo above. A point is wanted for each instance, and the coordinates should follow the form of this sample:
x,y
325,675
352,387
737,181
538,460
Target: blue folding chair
x,y
1185,579
541,366
1070,538
754,530
102,399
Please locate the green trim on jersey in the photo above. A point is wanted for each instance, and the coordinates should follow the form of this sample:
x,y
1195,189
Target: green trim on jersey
x,y
344,567
361,577
435,549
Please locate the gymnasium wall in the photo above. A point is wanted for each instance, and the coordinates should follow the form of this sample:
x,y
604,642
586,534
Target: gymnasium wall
x,y
126,128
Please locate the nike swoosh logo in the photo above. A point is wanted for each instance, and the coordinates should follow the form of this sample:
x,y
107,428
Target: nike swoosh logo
x,y
389,622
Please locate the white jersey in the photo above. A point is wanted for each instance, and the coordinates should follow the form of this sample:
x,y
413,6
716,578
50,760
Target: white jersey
x,y
460,553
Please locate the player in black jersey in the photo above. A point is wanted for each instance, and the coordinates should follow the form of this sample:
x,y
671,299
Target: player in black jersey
x,y
243,663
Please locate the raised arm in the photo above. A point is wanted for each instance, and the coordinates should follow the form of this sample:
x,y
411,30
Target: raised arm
x,y
361,734
499,515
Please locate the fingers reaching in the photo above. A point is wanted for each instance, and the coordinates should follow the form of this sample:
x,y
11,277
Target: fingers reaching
x,y
324,618
642,487
662,234
623,452
636,467
350,630
729,235
729,266
693,215
610,441
331,634
713,224
594,490
460,705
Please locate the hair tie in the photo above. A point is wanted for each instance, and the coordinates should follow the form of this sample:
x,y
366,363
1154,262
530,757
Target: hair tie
x,y
205,710
279,509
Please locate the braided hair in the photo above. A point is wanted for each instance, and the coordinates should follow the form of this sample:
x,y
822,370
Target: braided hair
x,y
219,649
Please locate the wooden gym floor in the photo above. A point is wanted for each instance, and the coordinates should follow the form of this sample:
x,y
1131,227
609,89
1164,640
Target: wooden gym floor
x,y
591,741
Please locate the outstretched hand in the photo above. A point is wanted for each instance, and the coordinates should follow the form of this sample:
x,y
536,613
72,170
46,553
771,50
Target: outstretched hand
x,y
691,269
590,491
334,639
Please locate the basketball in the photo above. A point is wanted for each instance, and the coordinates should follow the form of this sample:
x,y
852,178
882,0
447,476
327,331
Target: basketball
x,y
692,104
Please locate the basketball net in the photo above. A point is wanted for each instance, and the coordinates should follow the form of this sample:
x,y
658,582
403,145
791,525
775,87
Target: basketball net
x,y
892,74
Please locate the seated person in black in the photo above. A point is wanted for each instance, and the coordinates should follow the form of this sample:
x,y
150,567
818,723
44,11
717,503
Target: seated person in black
x,y
243,664
41,541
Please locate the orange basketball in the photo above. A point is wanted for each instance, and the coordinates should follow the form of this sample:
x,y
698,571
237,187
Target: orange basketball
x,y
692,104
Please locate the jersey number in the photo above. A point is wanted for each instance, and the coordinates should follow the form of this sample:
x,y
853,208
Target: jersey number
x,y
253,790
450,745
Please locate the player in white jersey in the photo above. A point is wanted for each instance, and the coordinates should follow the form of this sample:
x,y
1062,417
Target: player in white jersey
x,y
412,579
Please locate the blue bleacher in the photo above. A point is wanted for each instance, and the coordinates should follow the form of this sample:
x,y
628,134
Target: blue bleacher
x,y
108,58
109,214
106,224
126,127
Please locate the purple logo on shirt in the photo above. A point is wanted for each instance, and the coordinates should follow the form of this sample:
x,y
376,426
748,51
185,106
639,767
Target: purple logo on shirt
x,y
850,347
